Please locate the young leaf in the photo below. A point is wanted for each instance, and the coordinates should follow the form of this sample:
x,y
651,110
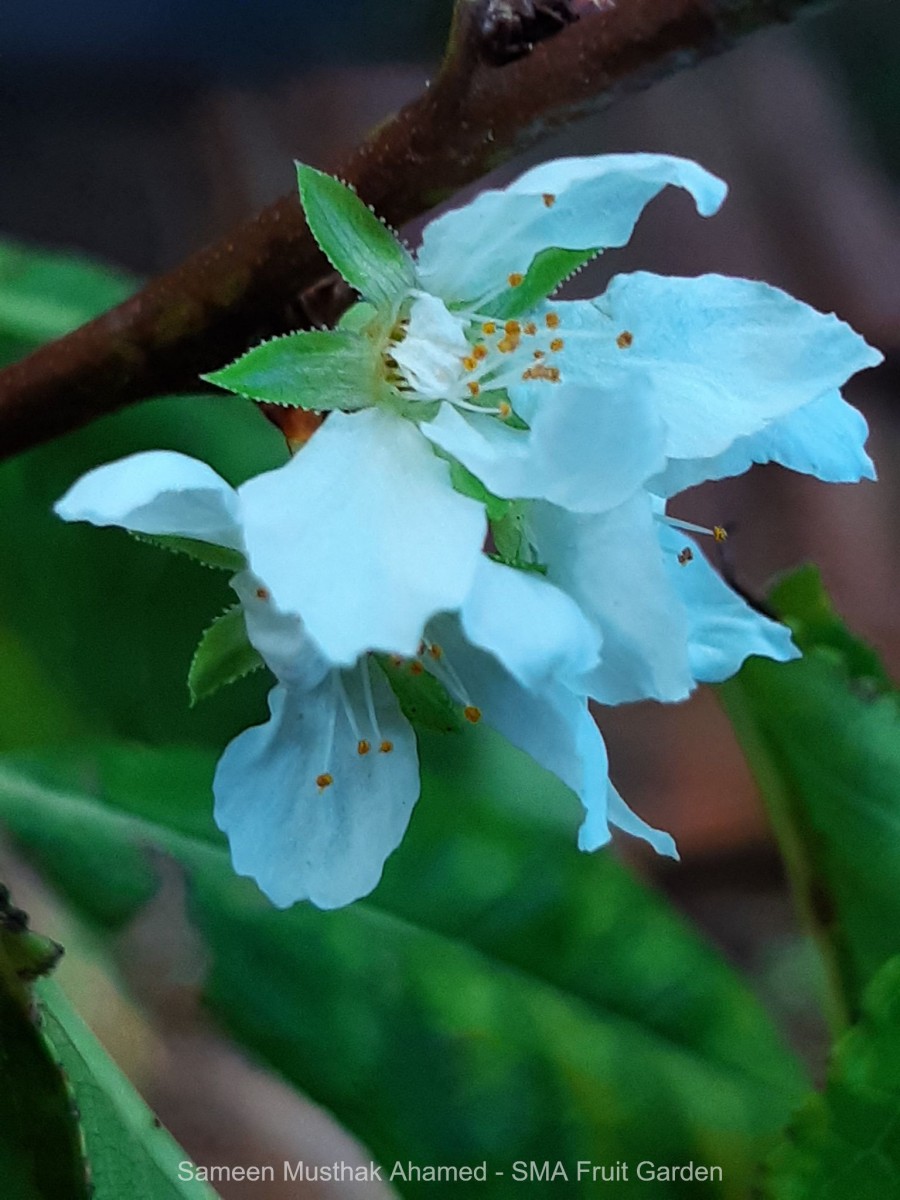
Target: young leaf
x,y
319,369
353,239
549,269
223,558
223,655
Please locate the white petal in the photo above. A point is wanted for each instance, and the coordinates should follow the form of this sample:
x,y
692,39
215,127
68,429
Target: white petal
x,y
611,565
298,840
724,357
431,354
588,448
825,438
362,535
535,630
157,492
624,818
723,630
287,649
467,254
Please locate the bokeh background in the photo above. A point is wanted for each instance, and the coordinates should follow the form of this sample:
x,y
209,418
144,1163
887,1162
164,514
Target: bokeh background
x,y
138,132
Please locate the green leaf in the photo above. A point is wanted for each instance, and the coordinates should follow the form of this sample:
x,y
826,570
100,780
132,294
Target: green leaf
x,y
822,735
549,269
423,700
221,557
318,370
500,997
353,239
40,1146
223,655
846,1142
129,1153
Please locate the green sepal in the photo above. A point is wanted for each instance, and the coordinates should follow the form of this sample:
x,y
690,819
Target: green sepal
x,y
223,655
511,539
353,239
423,700
549,269
318,369
470,485
357,317
223,558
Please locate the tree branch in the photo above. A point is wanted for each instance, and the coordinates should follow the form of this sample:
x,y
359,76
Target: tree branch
x,y
514,71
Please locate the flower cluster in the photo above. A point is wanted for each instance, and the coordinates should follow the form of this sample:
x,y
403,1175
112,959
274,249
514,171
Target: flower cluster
x,y
484,515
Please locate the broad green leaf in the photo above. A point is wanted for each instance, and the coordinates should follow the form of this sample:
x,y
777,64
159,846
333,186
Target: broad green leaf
x,y
845,1143
549,269
40,1148
822,735
129,1153
223,655
499,997
319,370
353,239
222,558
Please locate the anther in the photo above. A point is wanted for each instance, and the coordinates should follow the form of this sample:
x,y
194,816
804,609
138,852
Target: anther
x,y
471,713
474,388
363,747
625,339
386,747
435,651
479,352
531,329
686,555
512,327
488,328
538,354
507,344
263,593
415,667
720,534
469,363
504,408
539,371
557,345
549,199
552,320
515,280
324,781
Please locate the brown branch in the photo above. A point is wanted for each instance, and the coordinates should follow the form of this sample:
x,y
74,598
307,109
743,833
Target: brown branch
x,y
475,115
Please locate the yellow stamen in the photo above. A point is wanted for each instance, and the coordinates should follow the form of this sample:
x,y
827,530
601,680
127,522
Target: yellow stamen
x,y
363,747
531,329
474,388
386,747
720,534
488,328
557,344
625,339
552,320
515,280
471,713
469,363
538,354
415,667
539,371
262,593
686,555
507,344
324,781
549,199
435,651
479,352
512,327
504,408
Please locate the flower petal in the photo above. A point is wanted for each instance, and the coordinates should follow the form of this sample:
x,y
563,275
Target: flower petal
x,y
287,649
534,629
431,354
825,438
570,203
298,839
587,450
158,492
623,817
611,565
724,357
723,630
362,535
